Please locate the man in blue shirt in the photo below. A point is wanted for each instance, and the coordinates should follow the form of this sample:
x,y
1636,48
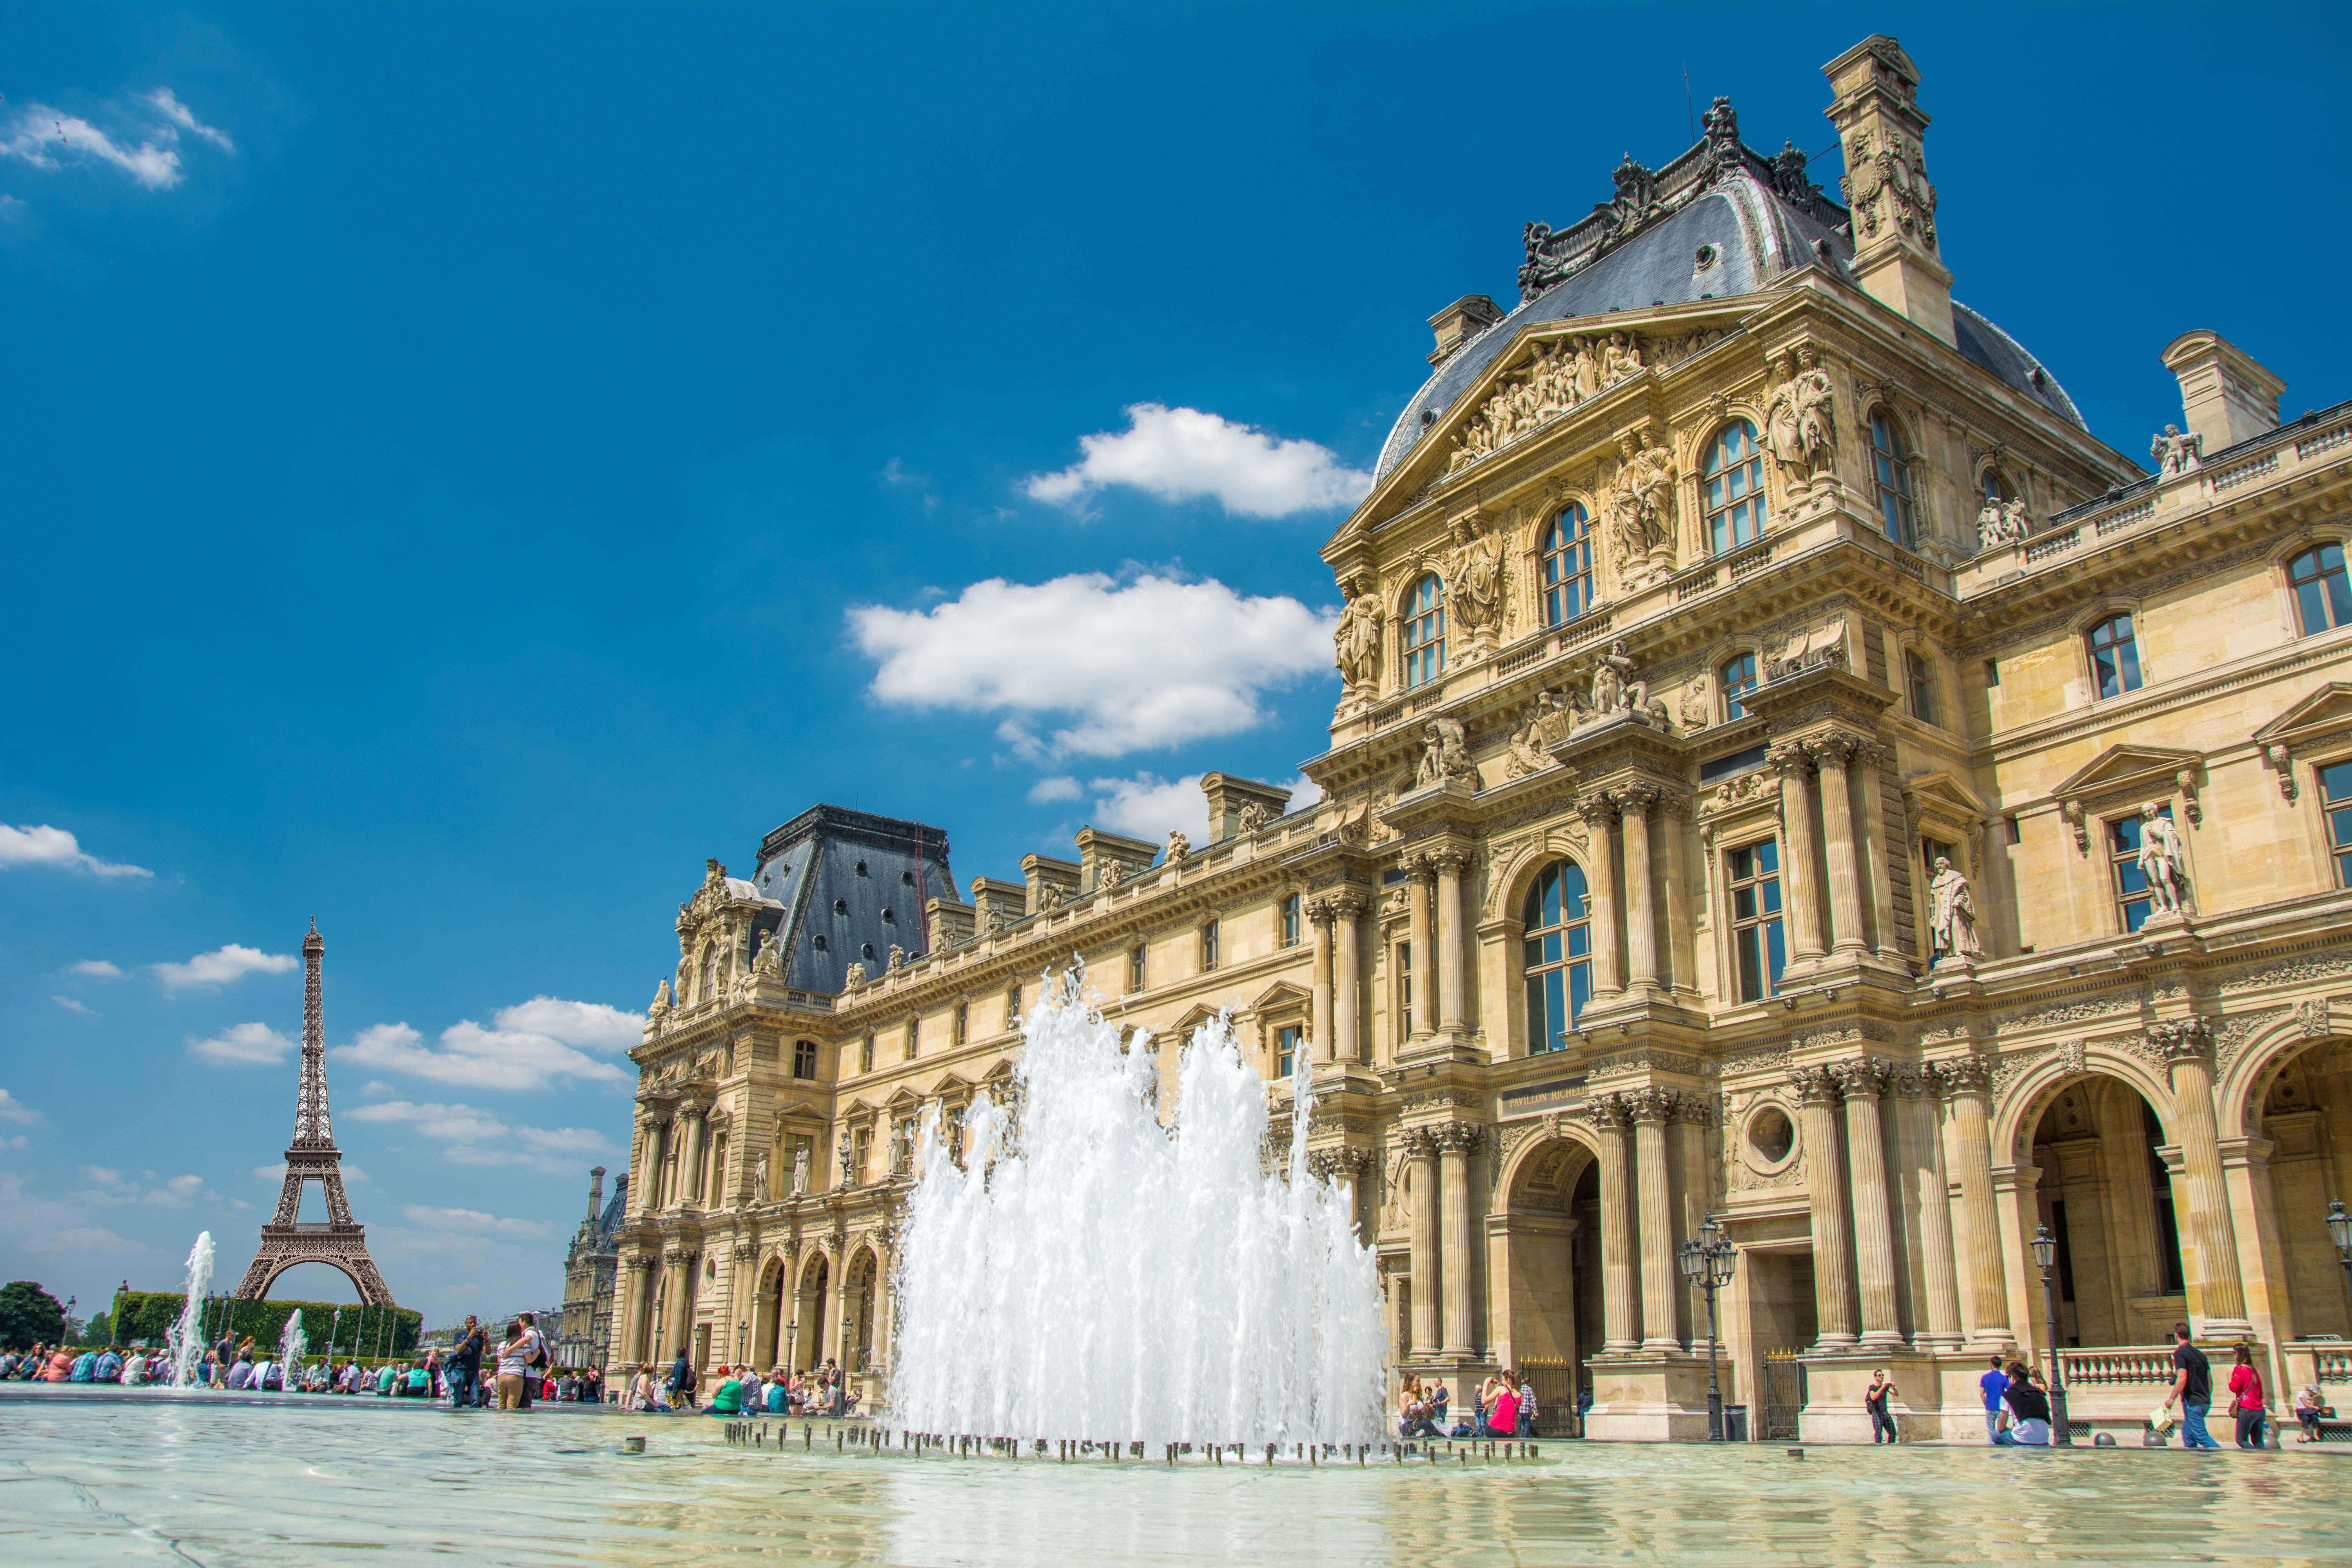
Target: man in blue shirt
x,y
108,1368
1995,1383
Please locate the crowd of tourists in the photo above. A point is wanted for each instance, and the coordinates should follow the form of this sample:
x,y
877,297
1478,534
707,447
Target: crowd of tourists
x,y
745,1391
1503,1406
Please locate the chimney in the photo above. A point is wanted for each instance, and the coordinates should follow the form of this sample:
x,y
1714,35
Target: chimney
x,y
1459,322
595,1192
1875,104
1237,804
2225,396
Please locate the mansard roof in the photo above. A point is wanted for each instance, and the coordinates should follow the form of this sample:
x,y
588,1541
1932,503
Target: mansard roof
x,y
879,870
1720,222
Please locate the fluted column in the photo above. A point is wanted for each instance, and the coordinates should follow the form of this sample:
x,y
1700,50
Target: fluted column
x,y
1451,932
2187,1048
1863,1083
1650,1108
1420,1147
1457,1142
1419,876
636,1271
645,1159
1348,981
1319,912
1967,1082
1817,1110
1601,814
1641,914
1803,890
1877,846
1674,901
1930,1219
1693,1192
689,1176
1621,1331
1837,830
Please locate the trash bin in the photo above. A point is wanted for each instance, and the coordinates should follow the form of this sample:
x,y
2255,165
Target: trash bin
x,y
1735,1423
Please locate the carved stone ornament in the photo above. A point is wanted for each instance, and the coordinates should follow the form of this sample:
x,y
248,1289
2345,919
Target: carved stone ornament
x,y
769,959
2311,1016
2176,452
2000,522
1356,642
1952,914
1886,185
2161,860
1473,586
1814,1085
1178,848
1555,377
1445,754
854,976
1641,510
661,1000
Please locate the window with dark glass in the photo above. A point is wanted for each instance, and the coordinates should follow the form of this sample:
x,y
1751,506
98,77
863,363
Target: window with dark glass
x,y
1919,679
1891,465
1738,676
2115,657
865,1055
1996,488
1135,967
914,1036
2323,598
962,1023
1425,632
1404,989
1209,945
2335,784
803,1058
1290,920
1759,952
1557,956
1733,473
1286,1049
2133,898
1567,566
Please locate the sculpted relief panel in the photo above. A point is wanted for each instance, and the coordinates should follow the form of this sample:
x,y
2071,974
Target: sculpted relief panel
x,y
1555,378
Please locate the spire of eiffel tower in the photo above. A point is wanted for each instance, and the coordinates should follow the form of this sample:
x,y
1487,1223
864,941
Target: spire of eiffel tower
x,y
313,1126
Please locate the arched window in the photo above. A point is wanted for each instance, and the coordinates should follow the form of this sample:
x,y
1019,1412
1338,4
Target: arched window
x,y
2323,599
1738,676
1567,566
2115,655
1734,472
1996,488
1891,466
1558,960
710,974
1425,632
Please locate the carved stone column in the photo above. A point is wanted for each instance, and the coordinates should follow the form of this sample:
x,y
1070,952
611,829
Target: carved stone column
x,y
1817,1112
1420,1147
1649,1108
1421,934
689,1176
1674,810
2187,1048
1456,1141
1936,1324
1620,1330
1318,911
636,1271
1641,914
1451,932
1347,980
1861,1083
1967,1082
1796,764
1879,851
1601,814
1694,1190
1837,830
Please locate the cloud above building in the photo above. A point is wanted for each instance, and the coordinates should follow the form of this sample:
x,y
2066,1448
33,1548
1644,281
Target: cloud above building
x,y
139,136
473,1136
1188,454
57,849
531,1044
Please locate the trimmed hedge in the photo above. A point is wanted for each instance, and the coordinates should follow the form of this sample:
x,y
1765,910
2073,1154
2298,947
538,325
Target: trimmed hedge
x,y
360,1330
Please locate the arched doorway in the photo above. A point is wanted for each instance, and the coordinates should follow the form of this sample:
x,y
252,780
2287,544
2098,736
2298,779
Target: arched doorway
x,y
809,1304
768,1345
2111,1192
1553,1276
859,1351
2299,1103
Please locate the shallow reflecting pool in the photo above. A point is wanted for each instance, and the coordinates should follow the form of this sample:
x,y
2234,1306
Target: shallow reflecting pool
x,y
157,1478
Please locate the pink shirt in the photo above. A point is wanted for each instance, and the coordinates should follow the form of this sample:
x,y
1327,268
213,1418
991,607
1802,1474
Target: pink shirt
x,y
1505,1417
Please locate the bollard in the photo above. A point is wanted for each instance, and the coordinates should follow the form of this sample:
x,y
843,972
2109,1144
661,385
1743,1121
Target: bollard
x,y
808,1436
633,1445
1796,1453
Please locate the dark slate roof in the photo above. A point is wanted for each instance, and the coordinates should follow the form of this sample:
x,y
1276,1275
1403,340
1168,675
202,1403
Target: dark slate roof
x,y
608,1223
854,883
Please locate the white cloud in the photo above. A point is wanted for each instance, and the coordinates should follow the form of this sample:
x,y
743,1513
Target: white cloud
x,y
1180,454
71,1006
1304,792
222,966
94,969
179,114
1155,662
273,1174
434,1121
144,143
474,1222
16,1110
1148,806
242,1045
1060,788
592,1026
46,845
113,1189
533,1044
476,1137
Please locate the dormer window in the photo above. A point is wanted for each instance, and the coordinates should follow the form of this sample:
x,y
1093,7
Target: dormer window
x,y
861,868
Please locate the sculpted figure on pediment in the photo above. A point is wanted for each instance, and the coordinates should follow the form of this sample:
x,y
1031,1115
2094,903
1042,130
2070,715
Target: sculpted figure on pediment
x,y
2174,453
1445,754
1527,754
2000,522
1619,358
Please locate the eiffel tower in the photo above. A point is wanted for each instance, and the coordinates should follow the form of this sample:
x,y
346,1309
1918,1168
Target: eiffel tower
x,y
340,1243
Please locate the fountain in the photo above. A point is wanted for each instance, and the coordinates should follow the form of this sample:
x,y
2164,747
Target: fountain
x,y
290,1346
185,1338
1084,1271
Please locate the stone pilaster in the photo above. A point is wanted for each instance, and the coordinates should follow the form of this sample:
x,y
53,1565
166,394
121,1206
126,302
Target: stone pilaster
x,y
1967,1080
1798,878
1641,913
1421,1149
1348,976
1319,915
1861,1083
1620,1333
1830,756
1649,1108
1817,1113
2187,1048
1456,1143
1936,1325
1600,820
1452,934
1421,934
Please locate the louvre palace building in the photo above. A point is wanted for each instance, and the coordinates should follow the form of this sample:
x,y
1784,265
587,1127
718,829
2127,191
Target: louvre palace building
x,y
1787,770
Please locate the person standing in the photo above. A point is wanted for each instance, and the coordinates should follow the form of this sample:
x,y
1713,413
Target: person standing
x,y
1526,1405
681,1380
514,1367
465,1370
1874,1399
2192,1388
1995,1383
2247,1401
535,1356
1503,1416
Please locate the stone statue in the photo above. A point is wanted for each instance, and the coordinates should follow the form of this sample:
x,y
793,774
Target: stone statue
x,y
1816,409
1552,722
769,959
1620,358
2000,522
2160,860
898,958
800,1166
1444,755
1698,705
1255,816
1049,899
1952,913
854,976
1475,586
842,1150
759,1177
1357,639
1614,689
661,999
1526,754
1179,846
2174,453
1782,437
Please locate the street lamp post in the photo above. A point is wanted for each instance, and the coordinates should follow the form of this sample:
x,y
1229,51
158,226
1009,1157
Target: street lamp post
x,y
1708,1261
742,1337
2045,1252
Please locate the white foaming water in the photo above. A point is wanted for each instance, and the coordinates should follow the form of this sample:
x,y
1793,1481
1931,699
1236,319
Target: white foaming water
x,y
185,1338
290,1346
1087,1272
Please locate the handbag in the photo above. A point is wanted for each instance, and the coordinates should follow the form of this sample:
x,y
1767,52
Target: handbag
x,y
2162,1420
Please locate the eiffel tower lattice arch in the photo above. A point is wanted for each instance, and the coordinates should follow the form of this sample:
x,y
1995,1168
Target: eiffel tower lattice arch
x,y
341,1242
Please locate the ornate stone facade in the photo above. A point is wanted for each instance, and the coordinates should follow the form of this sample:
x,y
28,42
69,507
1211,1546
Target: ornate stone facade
x,y
1773,839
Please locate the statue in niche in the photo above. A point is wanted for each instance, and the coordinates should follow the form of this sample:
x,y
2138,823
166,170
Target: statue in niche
x,y
1643,505
1475,584
2175,454
1357,639
1782,438
1445,754
2161,860
1951,914
1614,688
800,1166
769,959
843,1151
1816,412
759,1177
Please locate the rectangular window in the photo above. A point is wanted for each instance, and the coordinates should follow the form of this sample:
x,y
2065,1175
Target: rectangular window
x,y
914,1036
1135,967
1738,682
2133,896
1209,946
1290,920
1992,672
2016,834
805,1058
2115,657
1286,1049
1929,849
2336,783
1758,947
860,1143
865,1055
1013,1008
962,1023
1919,682
1404,989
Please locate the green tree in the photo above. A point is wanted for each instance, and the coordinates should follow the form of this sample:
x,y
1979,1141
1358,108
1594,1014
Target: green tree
x,y
101,1328
29,1316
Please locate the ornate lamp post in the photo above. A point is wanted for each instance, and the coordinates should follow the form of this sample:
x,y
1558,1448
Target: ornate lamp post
x,y
2045,1252
2339,1231
742,1337
1708,1261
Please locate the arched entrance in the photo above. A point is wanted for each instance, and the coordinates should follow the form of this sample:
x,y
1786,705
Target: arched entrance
x,y
1552,1275
859,1351
2297,1112
2111,1190
809,1304
767,1318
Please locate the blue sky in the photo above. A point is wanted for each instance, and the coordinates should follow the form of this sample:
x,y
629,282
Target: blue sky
x,y
463,465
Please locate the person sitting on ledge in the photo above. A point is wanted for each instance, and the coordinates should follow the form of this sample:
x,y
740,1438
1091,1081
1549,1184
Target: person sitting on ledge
x,y
2028,1412
729,1399
2309,1410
